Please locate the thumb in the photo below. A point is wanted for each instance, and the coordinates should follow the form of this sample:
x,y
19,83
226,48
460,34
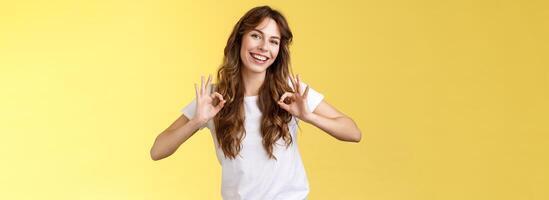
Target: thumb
x,y
283,105
220,105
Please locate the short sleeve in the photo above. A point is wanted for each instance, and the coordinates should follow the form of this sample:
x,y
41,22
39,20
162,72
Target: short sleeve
x,y
189,111
313,98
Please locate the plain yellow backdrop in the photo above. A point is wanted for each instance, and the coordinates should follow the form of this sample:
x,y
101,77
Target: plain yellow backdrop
x,y
451,97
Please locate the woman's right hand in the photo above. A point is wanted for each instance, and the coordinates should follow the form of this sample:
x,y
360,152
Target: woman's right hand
x,y
205,110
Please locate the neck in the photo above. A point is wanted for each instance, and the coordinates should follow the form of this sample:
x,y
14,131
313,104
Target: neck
x,y
252,82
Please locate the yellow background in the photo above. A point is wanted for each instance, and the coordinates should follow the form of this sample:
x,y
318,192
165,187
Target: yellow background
x,y
451,97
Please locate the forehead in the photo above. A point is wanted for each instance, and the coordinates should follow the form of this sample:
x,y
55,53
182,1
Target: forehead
x,y
269,27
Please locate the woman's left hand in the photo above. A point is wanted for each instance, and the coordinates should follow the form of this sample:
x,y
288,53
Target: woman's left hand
x,y
298,101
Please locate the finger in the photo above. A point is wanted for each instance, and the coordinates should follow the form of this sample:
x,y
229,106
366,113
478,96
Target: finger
x,y
220,105
201,84
219,96
196,91
284,106
293,82
306,92
298,84
221,101
208,90
285,95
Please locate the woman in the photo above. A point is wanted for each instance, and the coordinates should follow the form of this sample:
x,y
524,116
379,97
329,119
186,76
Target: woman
x,y
253,113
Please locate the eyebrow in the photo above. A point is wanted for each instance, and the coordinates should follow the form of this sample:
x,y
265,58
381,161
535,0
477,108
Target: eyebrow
x,y
275,37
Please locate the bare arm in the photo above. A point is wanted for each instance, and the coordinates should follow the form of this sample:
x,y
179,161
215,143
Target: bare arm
x,y
333,122
182,129
324,116
169,140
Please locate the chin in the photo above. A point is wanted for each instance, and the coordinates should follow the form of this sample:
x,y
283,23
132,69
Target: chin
x,y
258,69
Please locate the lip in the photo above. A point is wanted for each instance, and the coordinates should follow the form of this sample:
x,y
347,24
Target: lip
x,y
258,61
261,55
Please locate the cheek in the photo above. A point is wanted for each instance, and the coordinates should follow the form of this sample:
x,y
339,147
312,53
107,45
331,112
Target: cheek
x,y
245,46
248,43
275,53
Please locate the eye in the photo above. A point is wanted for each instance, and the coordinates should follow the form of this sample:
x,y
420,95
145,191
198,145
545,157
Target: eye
x,y
274,42
256,36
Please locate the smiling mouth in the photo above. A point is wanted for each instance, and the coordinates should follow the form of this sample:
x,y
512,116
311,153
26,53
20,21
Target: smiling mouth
x,y
259,58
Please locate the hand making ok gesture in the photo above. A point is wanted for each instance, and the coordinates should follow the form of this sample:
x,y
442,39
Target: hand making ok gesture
x,y
298,101
205,110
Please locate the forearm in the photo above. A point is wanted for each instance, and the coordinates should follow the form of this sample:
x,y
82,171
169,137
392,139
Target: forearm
x,y
169,141
343,128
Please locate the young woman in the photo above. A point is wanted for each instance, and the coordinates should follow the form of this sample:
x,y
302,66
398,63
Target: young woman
x,y
253,113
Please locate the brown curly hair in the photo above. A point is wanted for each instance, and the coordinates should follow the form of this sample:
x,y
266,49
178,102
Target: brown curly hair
x,y
229,122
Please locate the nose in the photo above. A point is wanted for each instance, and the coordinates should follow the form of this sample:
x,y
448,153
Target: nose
x,y
263,45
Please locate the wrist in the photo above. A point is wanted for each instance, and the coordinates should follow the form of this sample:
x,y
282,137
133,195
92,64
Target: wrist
x,y
197,122
309,118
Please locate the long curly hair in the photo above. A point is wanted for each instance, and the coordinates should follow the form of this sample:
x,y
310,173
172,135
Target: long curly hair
x,y
229,122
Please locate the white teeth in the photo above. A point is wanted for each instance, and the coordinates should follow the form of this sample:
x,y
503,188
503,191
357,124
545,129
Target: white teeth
x,y
263,58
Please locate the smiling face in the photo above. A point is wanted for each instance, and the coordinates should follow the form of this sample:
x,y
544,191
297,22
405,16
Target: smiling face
x,y
260,46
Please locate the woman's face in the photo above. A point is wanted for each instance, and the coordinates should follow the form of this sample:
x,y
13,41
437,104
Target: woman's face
x,y
260,46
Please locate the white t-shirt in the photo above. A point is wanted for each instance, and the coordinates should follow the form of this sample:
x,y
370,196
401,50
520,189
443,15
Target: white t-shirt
x,y
252,175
